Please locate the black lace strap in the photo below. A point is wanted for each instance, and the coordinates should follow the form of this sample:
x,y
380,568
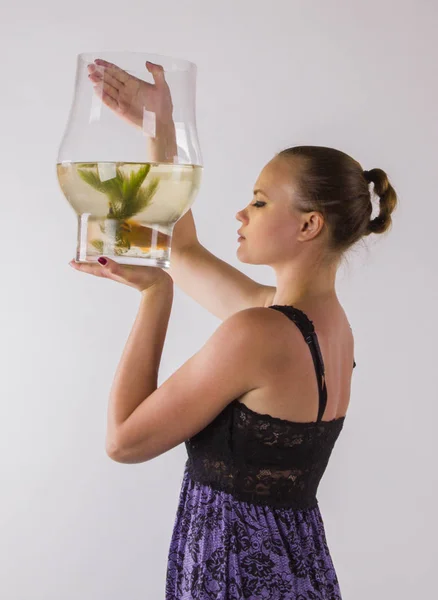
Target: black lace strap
x,y
305,325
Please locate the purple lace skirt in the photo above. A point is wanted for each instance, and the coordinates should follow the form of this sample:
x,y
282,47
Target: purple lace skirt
x,y
225,549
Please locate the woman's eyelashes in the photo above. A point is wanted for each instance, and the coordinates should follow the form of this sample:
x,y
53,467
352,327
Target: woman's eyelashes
x,y
258,204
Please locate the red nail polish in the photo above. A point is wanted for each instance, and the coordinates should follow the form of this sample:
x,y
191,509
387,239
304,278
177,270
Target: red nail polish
x,y
102,260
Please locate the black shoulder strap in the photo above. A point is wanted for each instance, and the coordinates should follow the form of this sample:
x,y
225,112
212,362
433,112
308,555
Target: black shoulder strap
x,y
305,325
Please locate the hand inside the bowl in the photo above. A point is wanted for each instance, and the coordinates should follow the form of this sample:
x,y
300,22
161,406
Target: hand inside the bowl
x,y
128,95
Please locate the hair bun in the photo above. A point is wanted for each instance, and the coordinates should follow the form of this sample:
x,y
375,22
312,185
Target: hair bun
x,y
366,174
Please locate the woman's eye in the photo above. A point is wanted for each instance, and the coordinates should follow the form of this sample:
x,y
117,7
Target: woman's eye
x,y
258,204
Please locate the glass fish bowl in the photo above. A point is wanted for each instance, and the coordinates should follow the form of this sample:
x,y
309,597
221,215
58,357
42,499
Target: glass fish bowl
x,y
130,163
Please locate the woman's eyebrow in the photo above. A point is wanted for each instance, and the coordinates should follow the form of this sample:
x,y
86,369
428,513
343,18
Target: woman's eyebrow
x,y
259,191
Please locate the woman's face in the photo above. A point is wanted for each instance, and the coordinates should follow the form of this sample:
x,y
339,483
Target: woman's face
x,y
269,224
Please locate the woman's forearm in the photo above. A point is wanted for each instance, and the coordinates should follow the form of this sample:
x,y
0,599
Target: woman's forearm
x,y
137,373
163,148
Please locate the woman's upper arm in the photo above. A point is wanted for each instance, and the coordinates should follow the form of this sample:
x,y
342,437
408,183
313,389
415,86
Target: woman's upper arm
x,y
226,367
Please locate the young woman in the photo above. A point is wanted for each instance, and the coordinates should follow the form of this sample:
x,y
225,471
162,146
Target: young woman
x,y
262,403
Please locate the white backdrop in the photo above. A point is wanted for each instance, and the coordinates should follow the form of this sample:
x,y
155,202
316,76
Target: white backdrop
x,y
360,77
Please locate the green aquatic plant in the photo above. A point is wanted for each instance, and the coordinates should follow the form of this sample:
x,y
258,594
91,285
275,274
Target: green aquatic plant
x,y
126,198
125,195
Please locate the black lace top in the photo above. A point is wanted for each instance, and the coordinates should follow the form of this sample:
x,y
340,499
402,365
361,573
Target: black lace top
x,y
263,459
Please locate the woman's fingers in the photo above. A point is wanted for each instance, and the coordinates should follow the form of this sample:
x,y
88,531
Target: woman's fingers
x,y
157,72
113,104
112,270
108,94
96,76
138,277
106,87
115,71
88,268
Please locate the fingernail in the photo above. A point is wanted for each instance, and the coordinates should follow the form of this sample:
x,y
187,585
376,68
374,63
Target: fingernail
x,y
102,260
